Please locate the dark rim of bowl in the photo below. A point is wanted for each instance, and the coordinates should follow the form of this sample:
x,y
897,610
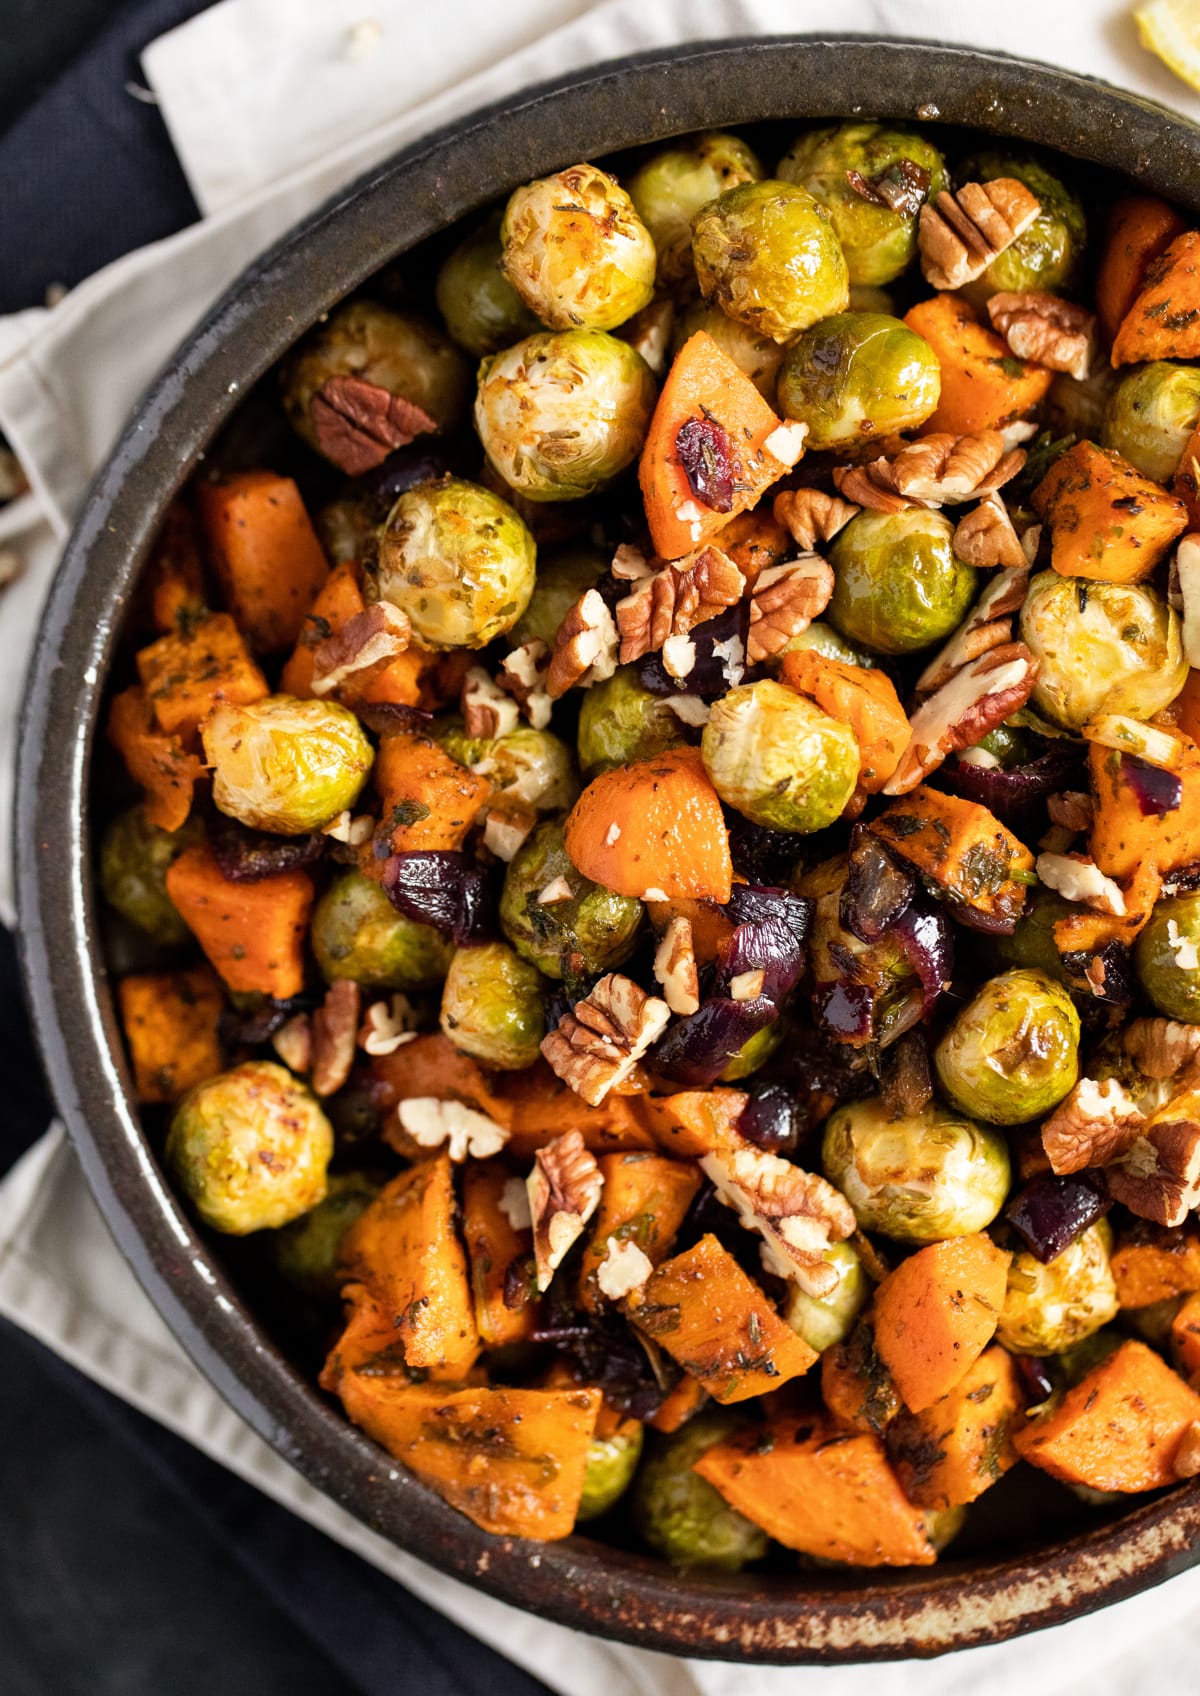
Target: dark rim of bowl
x,y
754,1617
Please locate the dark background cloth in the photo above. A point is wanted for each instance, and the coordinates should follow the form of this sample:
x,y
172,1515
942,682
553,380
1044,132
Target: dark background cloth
x,y
130,1565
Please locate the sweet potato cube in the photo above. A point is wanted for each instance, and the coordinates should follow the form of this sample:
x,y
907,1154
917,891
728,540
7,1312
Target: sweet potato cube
x,y
172,587
1107,522
339,599
1119,1428
511,1460
963,848
937,1312
856,1386
495,1247
1185,1338
983,386
1164,320
1140,227
162,765
188,672
695,1122
718,1325
819,1490
266,554
1151,1263
952,1452
427,800
1123,838
170,1022
430,1066
540,1107
253,933
644,1201
678,1406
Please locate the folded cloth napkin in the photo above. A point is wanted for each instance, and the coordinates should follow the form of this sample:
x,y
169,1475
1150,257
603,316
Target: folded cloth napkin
x,y
272,104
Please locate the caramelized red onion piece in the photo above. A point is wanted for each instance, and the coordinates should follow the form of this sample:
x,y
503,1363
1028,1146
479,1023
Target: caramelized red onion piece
x,y
925,934
694,1051
772,1119
877,890
1017,795
1049,1213
245,855
716,668
443,889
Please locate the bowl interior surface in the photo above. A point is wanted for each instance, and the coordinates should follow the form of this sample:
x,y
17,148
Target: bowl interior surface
x,y
1024,1582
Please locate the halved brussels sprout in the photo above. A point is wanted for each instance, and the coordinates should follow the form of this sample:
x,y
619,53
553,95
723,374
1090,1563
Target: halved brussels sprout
x,y
531,766
779,759
824,639
857,375
754,1052
1012,1053
679,1514
285,765
1049,253
675,183
828,1320
306,1252
1167,958
576,251
899,585
1100,648
758,356
591,932
492,1006
767,253
135,857
1150,415
458,560
250,1148
563,574
357,933
561,414
917,1178
1032,942
611,1464
481,309
1053,1305
620,721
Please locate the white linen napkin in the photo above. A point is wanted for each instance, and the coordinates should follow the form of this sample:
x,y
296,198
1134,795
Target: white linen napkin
x,y
272,104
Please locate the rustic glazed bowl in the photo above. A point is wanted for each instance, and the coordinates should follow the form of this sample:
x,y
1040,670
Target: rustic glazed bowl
x,y
1023,1582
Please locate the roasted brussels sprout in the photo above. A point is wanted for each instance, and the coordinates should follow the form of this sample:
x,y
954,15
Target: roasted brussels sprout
x,y
1167,958
1053,1305
392,350
1012,1053
560,414
674,184
854,170
824,639
857,375
1048,255
576,251
826,1321
563,574
767,253
480,307
1100,648
592,932
533,767
250,1148
357,933
1032,942
285,765
305,1253
1150,415
679,1514
754,1052
611,1464
920,1178
492,1006
899,585
458,560
620,721
779,759
135,857
758,356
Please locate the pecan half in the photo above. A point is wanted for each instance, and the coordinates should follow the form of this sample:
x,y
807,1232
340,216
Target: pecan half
x,y
630,565
585,648
796,1213
985,535
1096,1123
564,1191
988,625
812,516
675,600
465,1132
334,1037
1161,1048
1049,331
596,1046
1158,1177
361,648
944,469
357,424
523,675
675,967
960,234
487,711
962,712
784,601
871,486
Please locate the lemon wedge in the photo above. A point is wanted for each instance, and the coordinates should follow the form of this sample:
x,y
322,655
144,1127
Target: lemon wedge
x,y
1170,29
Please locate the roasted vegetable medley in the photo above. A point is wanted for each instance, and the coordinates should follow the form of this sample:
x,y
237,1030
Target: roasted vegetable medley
x,y
660,887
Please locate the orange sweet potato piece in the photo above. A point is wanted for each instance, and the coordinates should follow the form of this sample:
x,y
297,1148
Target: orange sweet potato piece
x,y
1152,1263
404,1251
510,1460
755,541
856,1386
952,1452
428,800
655,824
493,1246
265,552
540,1107
694,1122
1164,320
704,384
1120,1426
678,1406
1185,1338
160,763
431,1066
1123,839
1085,932
819,1490
1107,522
983,386
170,1023
188,672
718,1325
864,699
339,599
172,588
253,933
711,925
1140,228
937,1312
963,848
644,1200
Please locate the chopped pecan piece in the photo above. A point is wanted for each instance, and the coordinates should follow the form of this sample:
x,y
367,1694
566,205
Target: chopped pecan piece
x,y
564,1191
675,600
334,1037
985,535
624,1269
352,829
1097,1122
365,645
1049,331
963,711
505,829
988,625
523,675
675,967
1076,878
944,469
597,1045
1073,809
358,424
784,601
1161,1048
387,1026
431,1122
585,648
796,1213
629,564
293,1043
812,516
649,333
487,711
1158,1177
960,234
